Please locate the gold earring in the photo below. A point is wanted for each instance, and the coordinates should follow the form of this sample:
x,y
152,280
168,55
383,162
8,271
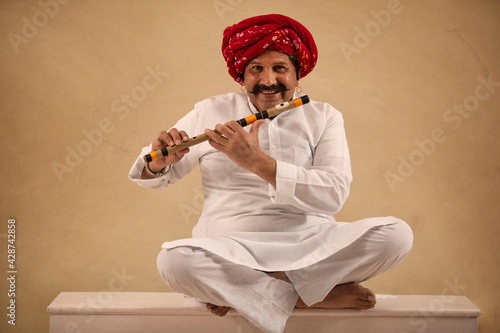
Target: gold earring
x,y
298,90
242,88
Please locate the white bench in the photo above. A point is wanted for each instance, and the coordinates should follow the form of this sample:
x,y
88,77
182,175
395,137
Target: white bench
x,y
124,312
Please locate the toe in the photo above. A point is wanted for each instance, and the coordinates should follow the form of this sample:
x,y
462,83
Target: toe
x,y
371,295
224,311
218,310
365,304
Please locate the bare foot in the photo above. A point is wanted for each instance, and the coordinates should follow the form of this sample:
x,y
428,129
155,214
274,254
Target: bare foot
x,y
220,311
345,296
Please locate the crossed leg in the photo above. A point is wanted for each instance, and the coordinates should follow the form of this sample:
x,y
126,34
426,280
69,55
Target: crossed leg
x,y
267,300
379,250
343,296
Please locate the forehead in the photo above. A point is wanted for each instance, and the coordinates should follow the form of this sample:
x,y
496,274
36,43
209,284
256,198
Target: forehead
x,y
272,57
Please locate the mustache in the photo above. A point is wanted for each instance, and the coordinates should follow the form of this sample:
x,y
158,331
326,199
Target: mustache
x,y
274,87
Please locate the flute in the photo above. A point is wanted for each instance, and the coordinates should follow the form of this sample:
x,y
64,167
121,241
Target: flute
x,y
269,113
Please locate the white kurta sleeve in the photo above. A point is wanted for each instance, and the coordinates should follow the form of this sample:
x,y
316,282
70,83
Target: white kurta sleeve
x,y
324,187
136,171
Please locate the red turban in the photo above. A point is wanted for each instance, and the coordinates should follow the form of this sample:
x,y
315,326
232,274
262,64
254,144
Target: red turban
x,y
250,37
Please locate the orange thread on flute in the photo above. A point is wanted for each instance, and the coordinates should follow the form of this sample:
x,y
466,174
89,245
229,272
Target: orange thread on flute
x,y
251,119
153,156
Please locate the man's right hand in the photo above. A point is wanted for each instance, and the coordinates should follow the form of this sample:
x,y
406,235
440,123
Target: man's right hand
x,y
167,139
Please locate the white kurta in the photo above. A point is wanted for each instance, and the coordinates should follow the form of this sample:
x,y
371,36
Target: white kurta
x,y
245,219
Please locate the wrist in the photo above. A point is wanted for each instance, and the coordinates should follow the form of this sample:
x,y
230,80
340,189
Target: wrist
x,y
265,167
151,166
153,172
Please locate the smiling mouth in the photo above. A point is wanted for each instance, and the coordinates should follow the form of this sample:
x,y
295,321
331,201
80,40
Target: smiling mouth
x,y
268,92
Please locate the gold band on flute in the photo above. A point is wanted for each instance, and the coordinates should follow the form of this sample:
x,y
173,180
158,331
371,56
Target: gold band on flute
x,y
269,113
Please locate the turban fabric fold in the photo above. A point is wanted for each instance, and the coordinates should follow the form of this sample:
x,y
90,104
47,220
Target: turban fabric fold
x,y
243,41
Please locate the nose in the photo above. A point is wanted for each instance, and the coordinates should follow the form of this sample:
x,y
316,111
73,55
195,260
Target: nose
x,y
268,77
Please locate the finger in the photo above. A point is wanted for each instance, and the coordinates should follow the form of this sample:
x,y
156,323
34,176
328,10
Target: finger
x,y
214,135
165,139
184,136
176,136
256,125
157,144
233,126
224,130
236,129
181,153
216,145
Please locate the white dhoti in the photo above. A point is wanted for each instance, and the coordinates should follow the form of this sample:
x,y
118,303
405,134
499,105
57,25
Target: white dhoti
x,y
268,302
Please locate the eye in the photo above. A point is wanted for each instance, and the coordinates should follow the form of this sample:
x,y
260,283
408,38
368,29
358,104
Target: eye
x,y
280,68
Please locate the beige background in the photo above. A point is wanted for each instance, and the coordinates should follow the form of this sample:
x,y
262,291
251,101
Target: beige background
x,y
80,227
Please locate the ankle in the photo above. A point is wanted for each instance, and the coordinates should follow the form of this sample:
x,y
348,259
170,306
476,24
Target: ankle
x,y
300,303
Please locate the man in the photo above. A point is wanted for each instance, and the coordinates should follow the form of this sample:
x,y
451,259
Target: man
x,y
266,241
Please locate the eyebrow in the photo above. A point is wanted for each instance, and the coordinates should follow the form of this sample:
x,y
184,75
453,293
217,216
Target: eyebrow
x,y
257,62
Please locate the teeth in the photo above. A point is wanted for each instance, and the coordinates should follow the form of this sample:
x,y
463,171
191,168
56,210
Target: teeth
x,y
269,92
